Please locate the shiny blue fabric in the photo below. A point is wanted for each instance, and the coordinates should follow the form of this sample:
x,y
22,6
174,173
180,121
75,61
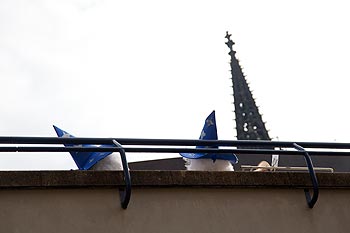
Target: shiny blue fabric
x,y
209,132
84,160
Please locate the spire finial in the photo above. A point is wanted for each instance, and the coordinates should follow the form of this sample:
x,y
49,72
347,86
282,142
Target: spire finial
x,y
228,35
229,42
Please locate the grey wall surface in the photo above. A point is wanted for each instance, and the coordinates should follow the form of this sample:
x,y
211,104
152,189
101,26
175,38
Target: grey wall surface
x,y
173,209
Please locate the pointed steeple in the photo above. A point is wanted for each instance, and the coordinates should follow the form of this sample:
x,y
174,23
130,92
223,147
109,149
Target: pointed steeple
x,y
249,123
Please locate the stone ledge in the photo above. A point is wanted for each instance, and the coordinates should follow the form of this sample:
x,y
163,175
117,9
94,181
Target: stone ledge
x,y
76,179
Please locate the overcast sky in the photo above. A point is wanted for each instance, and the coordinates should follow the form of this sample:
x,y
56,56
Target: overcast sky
x,y
153,69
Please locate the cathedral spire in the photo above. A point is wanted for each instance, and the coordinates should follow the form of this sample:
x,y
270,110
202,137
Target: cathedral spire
x,y
249,123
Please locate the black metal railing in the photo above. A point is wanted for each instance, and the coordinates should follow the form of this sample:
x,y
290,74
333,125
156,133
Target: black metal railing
x,y
54,144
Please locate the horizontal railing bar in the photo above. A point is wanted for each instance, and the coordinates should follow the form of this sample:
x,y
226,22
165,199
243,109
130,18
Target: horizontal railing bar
x,y
235,151
169,142
54,140
169,150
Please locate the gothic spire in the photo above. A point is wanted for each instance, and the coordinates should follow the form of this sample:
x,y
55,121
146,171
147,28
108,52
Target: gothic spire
x,y
249,123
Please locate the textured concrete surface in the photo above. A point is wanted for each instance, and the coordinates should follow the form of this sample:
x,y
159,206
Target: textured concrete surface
x,y
171,201
173,210
46,179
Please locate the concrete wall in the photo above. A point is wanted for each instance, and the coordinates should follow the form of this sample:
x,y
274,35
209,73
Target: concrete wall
x,y
77,202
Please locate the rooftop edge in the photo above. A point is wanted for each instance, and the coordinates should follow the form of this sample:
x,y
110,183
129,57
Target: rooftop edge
x,y
79,179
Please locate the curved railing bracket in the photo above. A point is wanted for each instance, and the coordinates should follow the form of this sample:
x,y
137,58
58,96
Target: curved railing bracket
x,y
125,194
311,201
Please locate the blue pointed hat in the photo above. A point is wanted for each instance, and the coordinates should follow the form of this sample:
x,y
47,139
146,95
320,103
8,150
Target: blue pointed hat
x,y
209,132
84,160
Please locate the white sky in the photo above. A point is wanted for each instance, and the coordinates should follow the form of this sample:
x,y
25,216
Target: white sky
x,y
151,69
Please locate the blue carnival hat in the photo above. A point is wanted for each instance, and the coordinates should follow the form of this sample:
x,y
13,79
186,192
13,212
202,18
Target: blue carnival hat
x,y
209,132
84,160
